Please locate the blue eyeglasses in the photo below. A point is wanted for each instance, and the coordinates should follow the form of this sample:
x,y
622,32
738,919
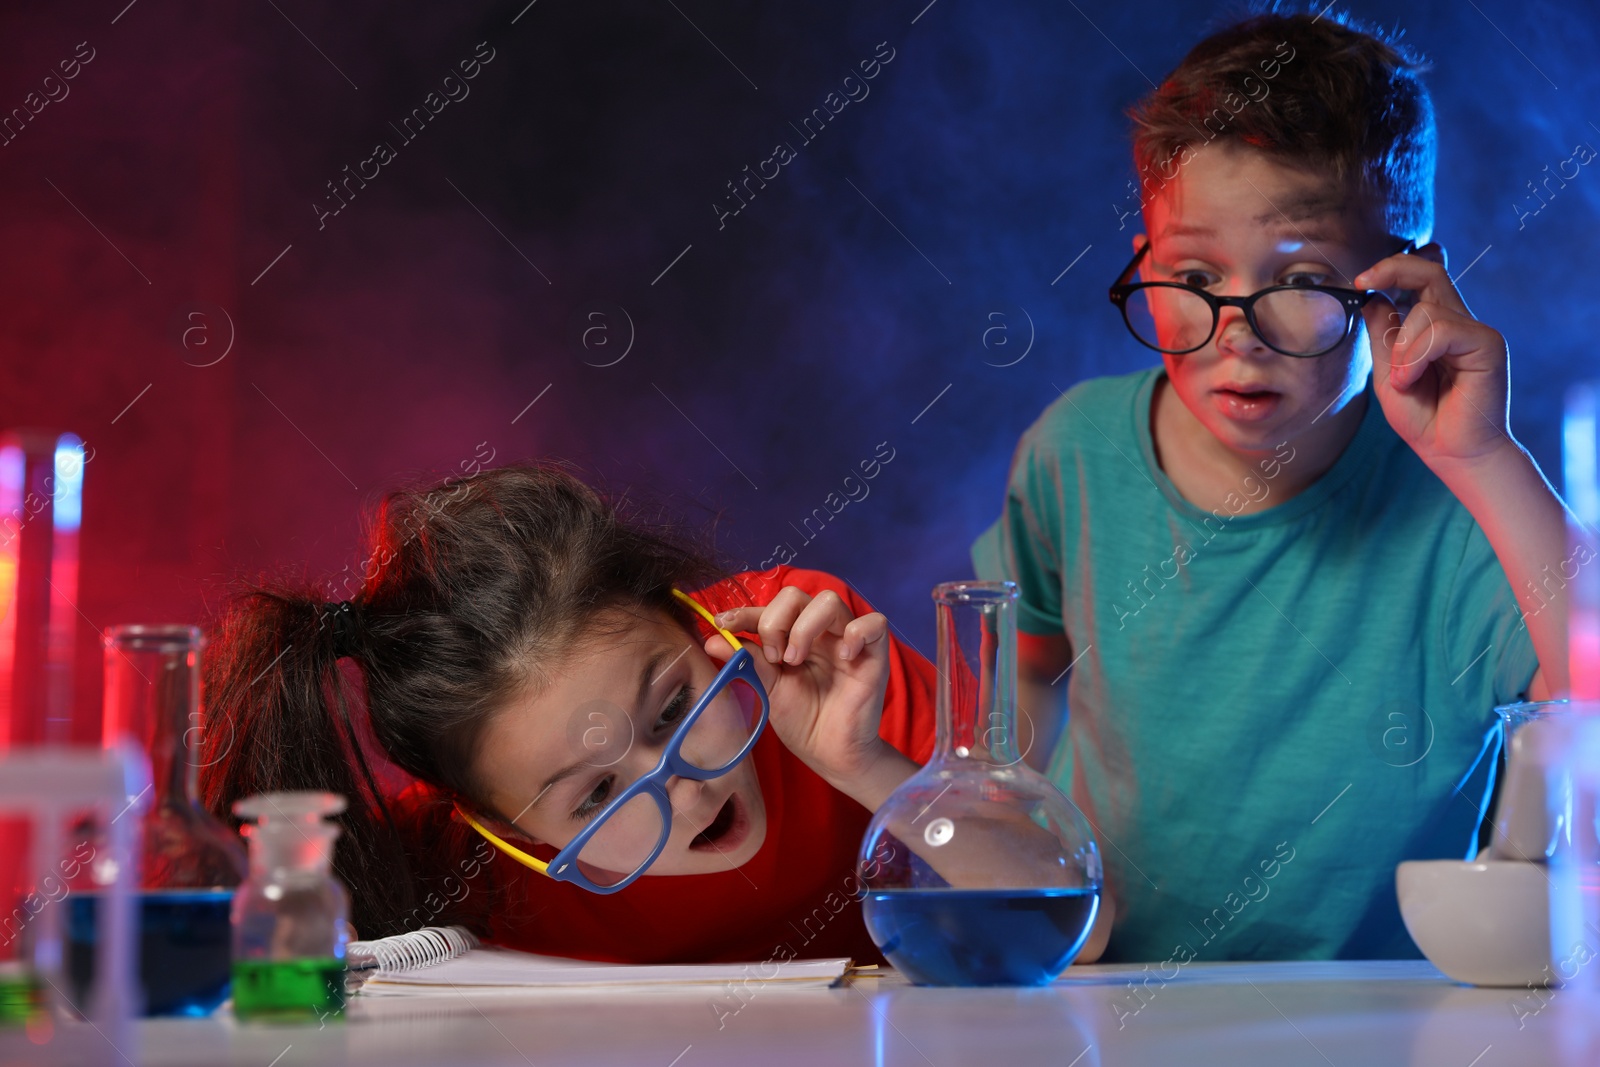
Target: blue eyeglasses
x,y
624,839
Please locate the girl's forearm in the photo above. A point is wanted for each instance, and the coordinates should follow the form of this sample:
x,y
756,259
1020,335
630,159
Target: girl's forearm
x,y
871,786
1526,524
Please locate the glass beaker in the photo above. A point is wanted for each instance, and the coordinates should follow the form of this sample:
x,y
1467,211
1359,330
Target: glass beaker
x,y
1573,795
289,929
191,862
1574,792
50,786
978,870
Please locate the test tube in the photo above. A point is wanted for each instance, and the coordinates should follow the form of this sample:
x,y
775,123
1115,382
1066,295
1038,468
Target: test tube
x,y
1574,792
41,509
41,505
1580,451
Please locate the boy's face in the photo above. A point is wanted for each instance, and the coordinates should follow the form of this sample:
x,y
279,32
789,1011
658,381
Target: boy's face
x,y
1233,222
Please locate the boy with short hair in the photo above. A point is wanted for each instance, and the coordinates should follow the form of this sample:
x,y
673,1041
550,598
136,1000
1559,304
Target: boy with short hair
x,y
1278,564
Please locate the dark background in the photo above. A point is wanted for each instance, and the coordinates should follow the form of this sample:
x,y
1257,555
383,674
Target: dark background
x,y
409,335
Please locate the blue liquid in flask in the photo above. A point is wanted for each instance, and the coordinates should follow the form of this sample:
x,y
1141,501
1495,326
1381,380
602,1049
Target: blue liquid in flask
x,y
968,937
185,948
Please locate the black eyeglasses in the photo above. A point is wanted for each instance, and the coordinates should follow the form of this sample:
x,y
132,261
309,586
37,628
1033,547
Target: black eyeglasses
x,y
1294,320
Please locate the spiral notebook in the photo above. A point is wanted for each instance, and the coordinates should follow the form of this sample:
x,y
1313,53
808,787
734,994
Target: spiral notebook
x,y
443,958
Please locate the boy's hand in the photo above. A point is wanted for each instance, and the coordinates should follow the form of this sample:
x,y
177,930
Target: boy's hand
x,y
825,672
1440,374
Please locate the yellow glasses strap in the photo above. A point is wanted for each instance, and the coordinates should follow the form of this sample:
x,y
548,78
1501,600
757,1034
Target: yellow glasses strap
x,y
533,861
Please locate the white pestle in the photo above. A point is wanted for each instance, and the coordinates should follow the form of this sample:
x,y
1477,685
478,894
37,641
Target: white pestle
x,y
1523,829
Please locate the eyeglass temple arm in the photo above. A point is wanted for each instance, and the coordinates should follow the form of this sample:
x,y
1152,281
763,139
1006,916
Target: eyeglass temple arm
x,y
1408,249
533,861
703,613
1133,264
504,846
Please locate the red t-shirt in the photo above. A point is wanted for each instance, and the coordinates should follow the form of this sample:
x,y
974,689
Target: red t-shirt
x,y
795,892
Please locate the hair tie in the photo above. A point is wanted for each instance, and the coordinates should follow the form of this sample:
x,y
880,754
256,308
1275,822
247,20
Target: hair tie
x,y
342,618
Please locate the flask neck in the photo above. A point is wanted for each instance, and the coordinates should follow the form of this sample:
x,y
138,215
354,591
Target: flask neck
x,y
152,695
977,708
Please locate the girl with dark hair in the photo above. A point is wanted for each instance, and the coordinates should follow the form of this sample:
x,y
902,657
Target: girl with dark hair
x,y
522,652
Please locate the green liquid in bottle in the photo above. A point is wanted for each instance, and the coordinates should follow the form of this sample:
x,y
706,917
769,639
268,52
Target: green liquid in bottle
x,y
20,998
289,990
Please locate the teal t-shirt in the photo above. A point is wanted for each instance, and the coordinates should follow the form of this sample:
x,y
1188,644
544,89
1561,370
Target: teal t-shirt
x,y
1268,711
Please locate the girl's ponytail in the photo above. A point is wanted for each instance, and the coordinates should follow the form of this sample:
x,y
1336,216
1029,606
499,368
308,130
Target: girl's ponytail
x,y
280,719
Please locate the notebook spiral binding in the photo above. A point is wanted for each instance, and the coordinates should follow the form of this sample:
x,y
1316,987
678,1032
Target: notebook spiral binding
x,y
408,952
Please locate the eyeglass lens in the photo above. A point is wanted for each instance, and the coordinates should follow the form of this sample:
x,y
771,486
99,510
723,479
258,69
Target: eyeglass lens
x,y
1296,321
623,843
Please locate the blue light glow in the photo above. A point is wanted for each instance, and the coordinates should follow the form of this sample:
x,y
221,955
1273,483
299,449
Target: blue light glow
x,y
68,485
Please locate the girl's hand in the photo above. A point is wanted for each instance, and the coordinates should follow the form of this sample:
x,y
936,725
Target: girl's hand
x,y
825,672
1440,375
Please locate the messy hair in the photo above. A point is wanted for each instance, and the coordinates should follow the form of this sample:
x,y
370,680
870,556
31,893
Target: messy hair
x,y
1315,91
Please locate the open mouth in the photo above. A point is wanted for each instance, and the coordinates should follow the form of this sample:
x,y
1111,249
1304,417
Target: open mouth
x,y
727,831
1247,404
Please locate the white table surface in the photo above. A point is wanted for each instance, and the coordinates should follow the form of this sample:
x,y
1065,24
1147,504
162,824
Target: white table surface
x,y
1319,1014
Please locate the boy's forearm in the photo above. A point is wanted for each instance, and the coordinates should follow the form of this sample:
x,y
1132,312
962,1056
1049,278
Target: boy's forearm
x,y
1042,661
1039,720
1526,524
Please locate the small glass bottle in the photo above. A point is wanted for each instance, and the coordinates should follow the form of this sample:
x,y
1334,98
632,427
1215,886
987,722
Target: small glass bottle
x,y
191,862
289,929
977,870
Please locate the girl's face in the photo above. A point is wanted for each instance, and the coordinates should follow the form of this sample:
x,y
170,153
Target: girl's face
x,y
552,759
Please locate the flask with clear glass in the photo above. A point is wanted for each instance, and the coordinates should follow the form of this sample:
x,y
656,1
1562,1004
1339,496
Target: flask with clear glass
x,y
289,929
191,862
978,870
